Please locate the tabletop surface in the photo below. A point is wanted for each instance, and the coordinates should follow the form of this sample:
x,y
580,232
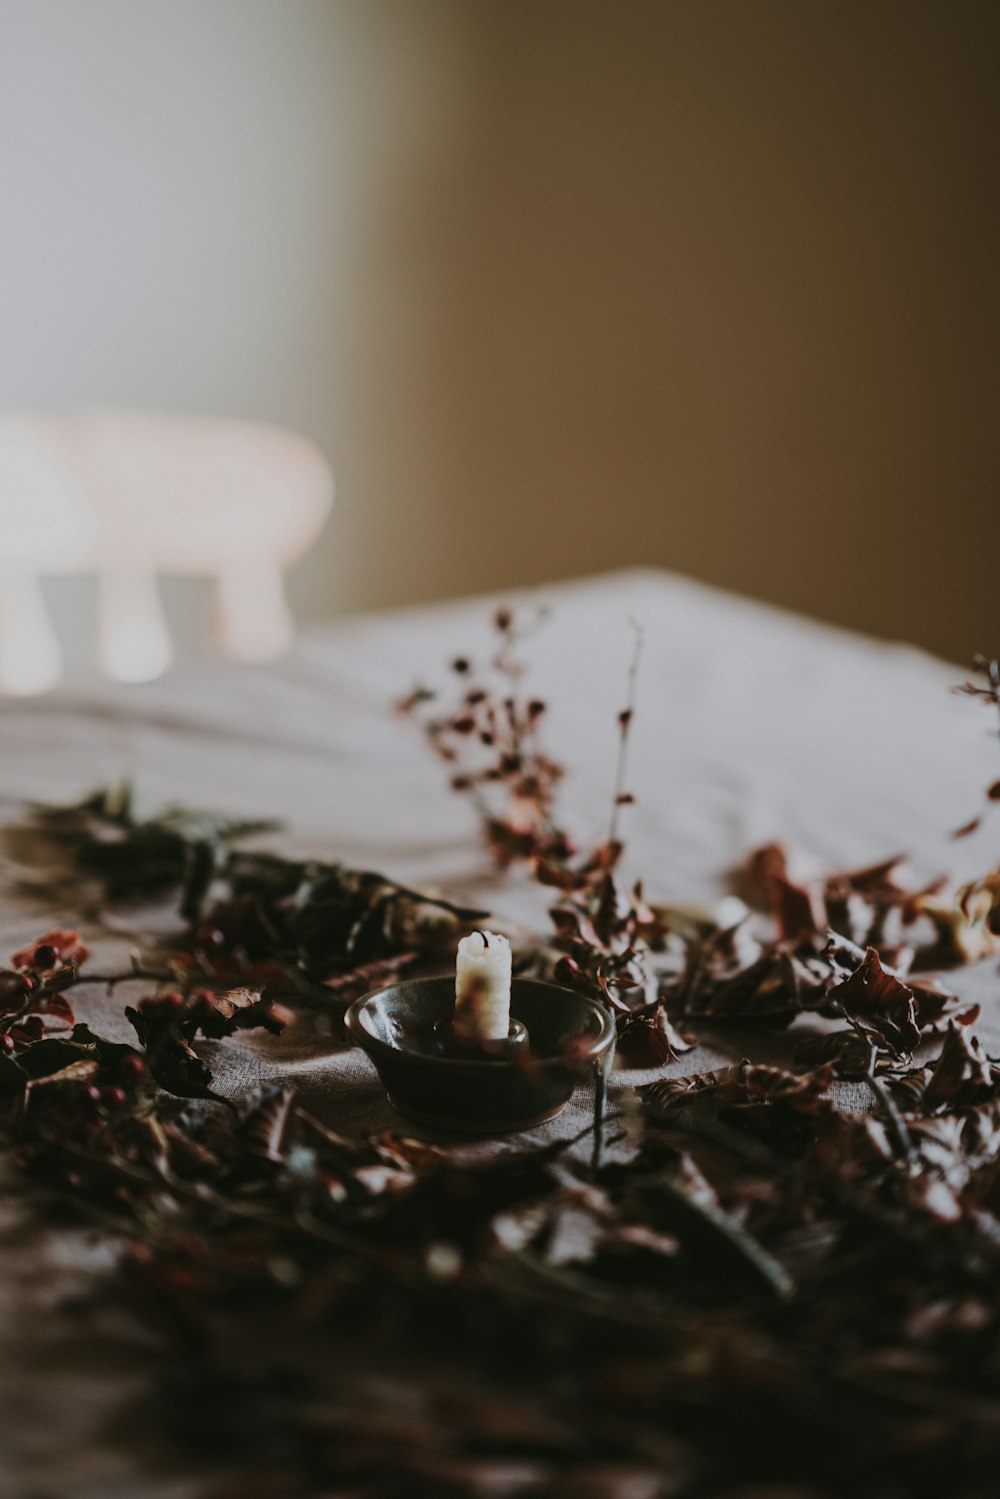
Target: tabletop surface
x,y
750,725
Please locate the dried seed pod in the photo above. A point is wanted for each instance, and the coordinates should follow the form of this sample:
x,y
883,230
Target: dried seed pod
x,y
265,1123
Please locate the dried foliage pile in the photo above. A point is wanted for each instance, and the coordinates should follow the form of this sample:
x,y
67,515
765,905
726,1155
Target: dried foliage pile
x,y
785,1281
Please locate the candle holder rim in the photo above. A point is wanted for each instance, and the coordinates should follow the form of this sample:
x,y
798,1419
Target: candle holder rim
x,y
597,1046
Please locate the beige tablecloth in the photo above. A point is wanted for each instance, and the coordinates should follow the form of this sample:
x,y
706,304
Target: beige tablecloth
x,y
751,724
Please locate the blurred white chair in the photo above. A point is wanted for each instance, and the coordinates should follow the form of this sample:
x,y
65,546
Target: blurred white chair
x,y
130,495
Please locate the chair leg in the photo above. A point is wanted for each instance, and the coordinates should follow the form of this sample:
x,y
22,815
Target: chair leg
x,y
254,621
30,659
133,642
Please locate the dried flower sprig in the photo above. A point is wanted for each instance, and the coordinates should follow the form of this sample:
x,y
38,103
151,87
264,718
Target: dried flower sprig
x,y
491,741
621,797
968,925
251,916
604,929
987,692
607,930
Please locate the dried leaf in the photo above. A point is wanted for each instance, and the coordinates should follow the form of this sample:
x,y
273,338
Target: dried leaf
x,y
962,1075
651,1040
265,1123
880,1003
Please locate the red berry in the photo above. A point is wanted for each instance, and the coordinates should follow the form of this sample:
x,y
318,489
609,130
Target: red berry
x,y
161,1004
131,1066
93,1093
567,969
203,1004
113,1097
7,1043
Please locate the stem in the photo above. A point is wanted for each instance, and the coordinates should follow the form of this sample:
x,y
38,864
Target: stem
x,y
600,1095
152,975
625,721
894,1119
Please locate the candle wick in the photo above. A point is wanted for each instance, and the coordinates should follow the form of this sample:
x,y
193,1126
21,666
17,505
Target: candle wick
x,y
484,935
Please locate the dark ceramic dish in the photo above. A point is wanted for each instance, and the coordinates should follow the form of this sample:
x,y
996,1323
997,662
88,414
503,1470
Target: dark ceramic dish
x,y
569,1036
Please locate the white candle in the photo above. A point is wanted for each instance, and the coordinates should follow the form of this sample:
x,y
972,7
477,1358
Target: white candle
x,y
482,987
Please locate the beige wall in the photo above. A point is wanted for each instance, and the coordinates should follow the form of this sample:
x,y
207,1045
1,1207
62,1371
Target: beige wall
x,y
558,284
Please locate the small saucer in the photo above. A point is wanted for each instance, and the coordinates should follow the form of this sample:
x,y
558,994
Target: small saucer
x,y
569,1035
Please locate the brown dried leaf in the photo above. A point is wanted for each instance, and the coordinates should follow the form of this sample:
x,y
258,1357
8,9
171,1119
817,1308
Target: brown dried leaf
x,y
83,1071
742,1085
265,1123
882,1005
848,1052
651,1040
797,908
962,1074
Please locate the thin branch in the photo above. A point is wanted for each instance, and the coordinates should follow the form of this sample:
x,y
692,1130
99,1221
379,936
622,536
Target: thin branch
x,y
624,727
